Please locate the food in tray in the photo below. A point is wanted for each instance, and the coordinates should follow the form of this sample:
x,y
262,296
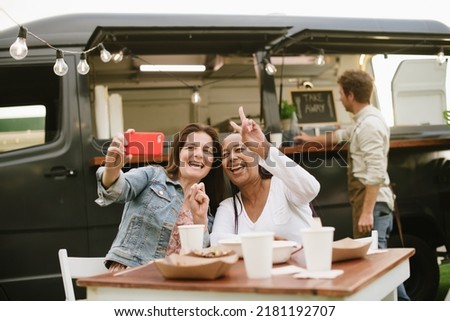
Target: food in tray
x,y
211,252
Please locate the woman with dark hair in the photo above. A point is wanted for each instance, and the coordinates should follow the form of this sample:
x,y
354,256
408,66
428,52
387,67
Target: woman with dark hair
x,y
270,191
157,200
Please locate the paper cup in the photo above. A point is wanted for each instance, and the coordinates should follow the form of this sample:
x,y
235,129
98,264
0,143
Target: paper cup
x,y
191,237
318,247
257,252
374,244
276,139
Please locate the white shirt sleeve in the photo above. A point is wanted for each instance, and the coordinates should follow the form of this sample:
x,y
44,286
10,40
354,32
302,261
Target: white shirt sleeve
x,y
300,186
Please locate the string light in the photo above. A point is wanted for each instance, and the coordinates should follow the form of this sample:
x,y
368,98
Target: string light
x,y
83,67
105,55
362,57
269,68
60,68
117,57
321,58
196,98
441,56
19,49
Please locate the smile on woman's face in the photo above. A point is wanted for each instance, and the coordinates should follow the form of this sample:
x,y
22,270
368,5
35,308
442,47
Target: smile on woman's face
x,y
239,163
196,156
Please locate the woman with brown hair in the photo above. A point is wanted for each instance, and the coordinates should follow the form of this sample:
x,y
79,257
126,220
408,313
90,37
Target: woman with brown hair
x,y
157,199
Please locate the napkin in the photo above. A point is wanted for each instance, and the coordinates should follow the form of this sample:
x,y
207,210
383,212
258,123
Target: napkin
x,y
289,269
318,275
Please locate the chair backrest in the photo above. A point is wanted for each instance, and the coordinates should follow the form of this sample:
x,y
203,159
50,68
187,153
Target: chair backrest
x,y
77,267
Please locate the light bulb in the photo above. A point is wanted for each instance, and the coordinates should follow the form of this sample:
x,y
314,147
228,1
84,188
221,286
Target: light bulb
x,y
440,57
105,55
117,57
19,49
83,67
270,68
60,68
321,58
196,98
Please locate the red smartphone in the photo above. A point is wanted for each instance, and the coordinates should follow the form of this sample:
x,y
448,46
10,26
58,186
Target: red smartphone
x,y
144,143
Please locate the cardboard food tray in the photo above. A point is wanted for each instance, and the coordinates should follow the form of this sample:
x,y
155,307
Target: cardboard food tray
x,y
348,249
177,266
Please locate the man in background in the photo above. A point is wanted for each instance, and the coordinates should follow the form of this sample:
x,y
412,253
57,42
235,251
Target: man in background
x,y
370,195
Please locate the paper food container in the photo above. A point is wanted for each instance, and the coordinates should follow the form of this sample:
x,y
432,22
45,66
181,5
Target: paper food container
x,y
282,251
177,266
232,244
348,248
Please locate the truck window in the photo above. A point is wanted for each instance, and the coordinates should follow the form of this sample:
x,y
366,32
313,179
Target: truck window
x,y
29,109
21,127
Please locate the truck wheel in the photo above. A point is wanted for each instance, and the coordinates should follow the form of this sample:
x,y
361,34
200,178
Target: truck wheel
x,y
423,282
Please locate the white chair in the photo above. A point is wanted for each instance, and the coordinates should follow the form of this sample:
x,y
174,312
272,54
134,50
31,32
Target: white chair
x,y
77,267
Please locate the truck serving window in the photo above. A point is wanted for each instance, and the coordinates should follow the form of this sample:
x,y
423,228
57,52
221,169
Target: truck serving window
x,y
29,112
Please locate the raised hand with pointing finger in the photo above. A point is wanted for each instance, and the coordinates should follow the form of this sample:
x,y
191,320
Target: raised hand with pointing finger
x,y
252,135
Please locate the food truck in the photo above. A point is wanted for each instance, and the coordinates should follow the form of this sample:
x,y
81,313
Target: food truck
x,y
85,77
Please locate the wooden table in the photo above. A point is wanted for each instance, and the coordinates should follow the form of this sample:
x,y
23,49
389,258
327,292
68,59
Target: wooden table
x,y
374,277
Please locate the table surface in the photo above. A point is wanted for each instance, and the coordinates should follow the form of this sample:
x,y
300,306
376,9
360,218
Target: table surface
x,y
358,274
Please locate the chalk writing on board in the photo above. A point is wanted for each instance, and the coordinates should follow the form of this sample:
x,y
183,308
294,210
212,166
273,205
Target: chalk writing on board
x,y
314,106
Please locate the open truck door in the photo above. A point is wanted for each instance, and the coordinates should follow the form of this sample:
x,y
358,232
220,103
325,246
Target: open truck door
x,y
419,101
418,92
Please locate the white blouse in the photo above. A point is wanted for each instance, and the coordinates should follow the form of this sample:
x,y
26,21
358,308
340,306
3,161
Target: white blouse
x,y
287,208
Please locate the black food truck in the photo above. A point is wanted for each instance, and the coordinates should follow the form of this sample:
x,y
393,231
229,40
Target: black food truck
x,y
56,122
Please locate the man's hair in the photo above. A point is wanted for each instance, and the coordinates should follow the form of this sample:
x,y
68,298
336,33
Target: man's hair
x,y
358,82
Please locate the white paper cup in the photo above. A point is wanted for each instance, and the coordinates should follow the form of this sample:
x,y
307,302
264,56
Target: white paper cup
x,y
257,252
318,247
374,244
191,237
276,139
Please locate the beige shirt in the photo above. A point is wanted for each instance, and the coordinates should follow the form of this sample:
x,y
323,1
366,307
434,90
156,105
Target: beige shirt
x,y
369,148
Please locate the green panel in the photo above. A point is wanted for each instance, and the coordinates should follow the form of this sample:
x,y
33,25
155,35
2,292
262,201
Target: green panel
x,y
22,124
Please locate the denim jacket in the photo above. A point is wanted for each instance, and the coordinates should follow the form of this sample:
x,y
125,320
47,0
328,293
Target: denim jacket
x,y
152,204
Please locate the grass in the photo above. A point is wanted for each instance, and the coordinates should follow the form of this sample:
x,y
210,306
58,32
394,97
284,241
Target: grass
x,y
444,284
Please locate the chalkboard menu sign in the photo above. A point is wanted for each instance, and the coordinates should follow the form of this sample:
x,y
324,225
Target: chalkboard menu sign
x,y
314,106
